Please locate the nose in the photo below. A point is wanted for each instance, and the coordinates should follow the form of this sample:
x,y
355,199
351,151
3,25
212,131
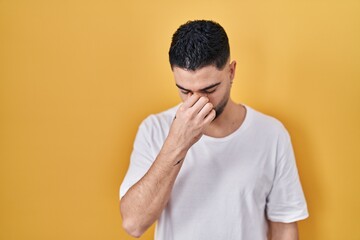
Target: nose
x,y
200,94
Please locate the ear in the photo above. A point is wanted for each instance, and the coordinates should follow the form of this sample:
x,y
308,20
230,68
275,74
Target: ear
x,y
232,68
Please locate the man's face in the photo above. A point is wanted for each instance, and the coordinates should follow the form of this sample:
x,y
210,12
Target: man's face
x,y
207,81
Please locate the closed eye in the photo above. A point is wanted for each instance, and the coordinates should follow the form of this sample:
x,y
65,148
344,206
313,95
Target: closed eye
x,y
209,91
185,92
204,91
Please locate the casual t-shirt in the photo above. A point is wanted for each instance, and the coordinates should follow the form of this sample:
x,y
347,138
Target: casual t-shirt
x,y
227,187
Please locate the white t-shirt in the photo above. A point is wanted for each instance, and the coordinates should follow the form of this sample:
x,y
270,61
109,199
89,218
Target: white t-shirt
x,y
227,187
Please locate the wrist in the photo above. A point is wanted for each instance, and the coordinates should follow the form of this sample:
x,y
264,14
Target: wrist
x,y
173,150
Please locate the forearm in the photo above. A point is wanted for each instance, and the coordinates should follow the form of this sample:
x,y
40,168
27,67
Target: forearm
x,y
283,231
143,203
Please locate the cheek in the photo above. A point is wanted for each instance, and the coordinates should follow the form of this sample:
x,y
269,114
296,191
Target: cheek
x,y
215,98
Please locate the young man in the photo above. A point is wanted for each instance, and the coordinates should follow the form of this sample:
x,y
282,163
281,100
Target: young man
x,y
210,168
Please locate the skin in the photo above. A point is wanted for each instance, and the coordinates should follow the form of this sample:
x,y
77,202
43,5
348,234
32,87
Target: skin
x,y
208,109
200,82
283,231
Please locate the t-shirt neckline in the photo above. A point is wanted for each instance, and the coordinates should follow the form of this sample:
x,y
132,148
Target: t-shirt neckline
x,y
238,131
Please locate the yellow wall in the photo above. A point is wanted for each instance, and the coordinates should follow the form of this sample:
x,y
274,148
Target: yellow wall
x,y
77,77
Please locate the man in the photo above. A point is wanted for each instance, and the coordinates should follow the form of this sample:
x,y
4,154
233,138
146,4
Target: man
x,y
210,168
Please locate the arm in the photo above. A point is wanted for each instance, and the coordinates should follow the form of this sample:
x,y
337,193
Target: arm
x,y
142,205
283,231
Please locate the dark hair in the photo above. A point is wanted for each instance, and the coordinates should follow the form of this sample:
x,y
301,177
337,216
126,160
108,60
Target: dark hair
x,y
199,43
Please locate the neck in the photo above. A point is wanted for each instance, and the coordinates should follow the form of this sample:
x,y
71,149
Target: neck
x,y
228,122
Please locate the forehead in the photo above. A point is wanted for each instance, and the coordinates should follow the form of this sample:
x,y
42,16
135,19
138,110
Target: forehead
x,y
198,79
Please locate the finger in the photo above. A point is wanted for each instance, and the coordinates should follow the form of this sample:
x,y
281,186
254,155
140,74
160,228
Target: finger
x,y
205,110
210,117
191,100
200,104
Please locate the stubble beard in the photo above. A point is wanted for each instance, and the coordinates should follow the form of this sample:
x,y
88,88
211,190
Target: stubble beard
x,y
219,109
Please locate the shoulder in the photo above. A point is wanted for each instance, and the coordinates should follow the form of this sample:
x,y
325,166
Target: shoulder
x,y
164,117
159,122
263,120
267,125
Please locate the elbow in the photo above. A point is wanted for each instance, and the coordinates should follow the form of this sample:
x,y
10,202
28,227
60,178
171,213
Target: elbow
x,y
130,225
132,228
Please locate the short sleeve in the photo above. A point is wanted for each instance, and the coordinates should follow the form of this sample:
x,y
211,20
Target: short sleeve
x,y
140,160
286,201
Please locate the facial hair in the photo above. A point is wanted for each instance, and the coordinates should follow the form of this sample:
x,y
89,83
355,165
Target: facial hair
x,y
222,104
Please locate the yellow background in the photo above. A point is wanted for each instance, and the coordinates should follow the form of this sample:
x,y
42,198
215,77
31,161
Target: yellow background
x,y
77,77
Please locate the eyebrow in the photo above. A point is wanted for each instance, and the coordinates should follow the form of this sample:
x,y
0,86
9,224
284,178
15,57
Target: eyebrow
x,y
203,89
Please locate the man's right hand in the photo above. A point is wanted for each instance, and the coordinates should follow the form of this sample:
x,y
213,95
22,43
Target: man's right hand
x,y
192,118
143,203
